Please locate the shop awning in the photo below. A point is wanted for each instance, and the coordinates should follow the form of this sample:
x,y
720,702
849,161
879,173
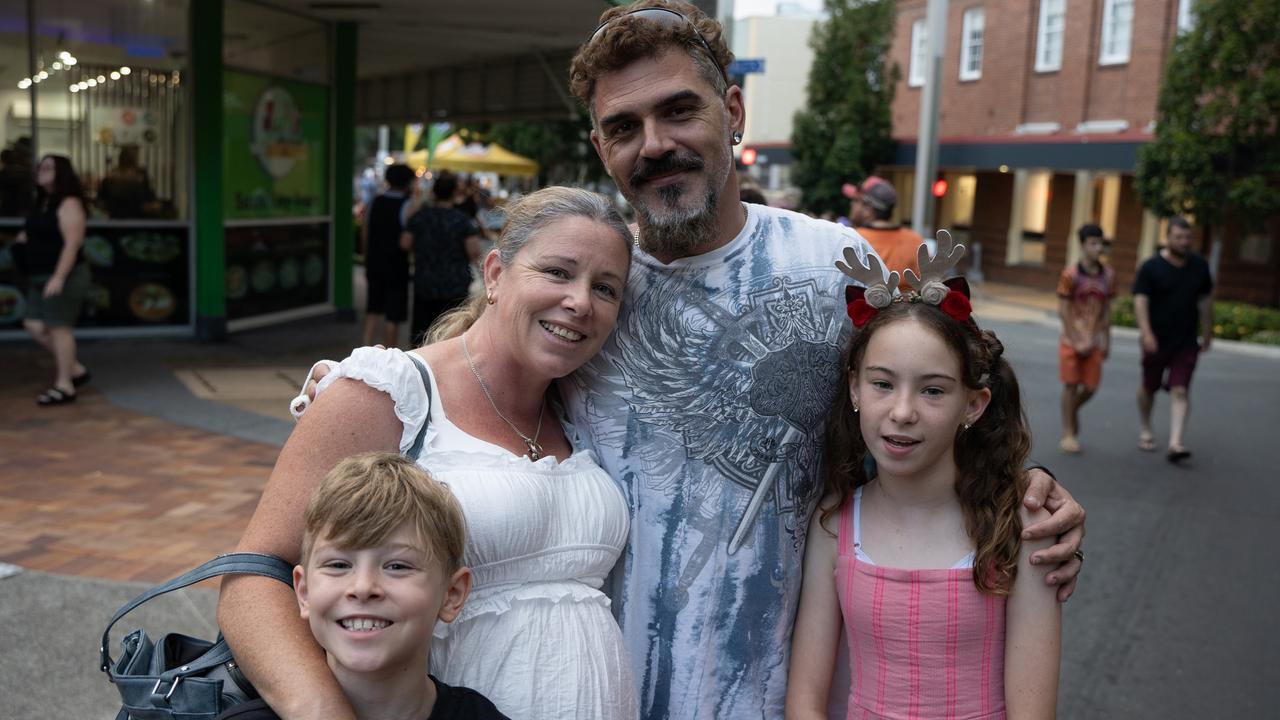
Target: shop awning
x,y
457,156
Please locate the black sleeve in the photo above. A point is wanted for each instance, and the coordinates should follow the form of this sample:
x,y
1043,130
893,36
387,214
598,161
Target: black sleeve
x,y
462,703
1206,282
1142,281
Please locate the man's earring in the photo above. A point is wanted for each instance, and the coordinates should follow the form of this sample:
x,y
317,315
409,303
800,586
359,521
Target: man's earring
x,y
737,137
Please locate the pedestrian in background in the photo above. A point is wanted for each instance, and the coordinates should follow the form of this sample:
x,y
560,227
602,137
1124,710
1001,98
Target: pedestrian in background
x,y
385,246
49,253
1172,299
870,212
445,243
1084,304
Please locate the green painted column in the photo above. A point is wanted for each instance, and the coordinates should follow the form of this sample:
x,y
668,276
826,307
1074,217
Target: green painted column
x,y
206,101
344,140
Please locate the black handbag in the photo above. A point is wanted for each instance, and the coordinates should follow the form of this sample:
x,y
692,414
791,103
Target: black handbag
x,y
180,677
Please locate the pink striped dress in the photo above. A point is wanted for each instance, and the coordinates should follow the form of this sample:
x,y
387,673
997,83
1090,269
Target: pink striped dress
x,y
922,643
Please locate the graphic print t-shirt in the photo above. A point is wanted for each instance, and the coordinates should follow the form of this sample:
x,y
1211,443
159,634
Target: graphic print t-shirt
x,y
708,406
1087,297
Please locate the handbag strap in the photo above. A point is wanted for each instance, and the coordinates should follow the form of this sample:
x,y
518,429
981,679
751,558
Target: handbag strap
x,y
415,450
240,563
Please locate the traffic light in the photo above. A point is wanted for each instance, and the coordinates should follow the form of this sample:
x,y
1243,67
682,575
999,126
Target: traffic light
x,y
748,156
939,187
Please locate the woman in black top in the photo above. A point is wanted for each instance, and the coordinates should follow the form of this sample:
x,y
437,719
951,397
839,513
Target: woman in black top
x,y
51,257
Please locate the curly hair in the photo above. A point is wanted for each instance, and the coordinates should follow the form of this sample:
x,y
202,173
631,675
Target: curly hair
x,y
989,456
620,42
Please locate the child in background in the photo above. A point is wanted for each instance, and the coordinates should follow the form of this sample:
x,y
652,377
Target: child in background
x,y
1084,304
922,562
381,563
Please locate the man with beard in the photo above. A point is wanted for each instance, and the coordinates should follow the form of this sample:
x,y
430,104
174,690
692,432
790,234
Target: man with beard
x,y
708,403
1172,300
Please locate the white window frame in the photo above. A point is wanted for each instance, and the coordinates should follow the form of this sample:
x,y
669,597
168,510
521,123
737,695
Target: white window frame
x,y
1052,60
919,49
972,37
1117,33
1186,15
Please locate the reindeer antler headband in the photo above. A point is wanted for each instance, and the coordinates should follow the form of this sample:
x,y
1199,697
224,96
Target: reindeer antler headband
x,y
931,285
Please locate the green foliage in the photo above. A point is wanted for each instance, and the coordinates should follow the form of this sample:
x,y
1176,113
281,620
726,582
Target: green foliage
x,y
844,130
1231,320
1215,153
562,148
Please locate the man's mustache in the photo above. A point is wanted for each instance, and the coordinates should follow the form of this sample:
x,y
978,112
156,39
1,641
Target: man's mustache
x,y
647,169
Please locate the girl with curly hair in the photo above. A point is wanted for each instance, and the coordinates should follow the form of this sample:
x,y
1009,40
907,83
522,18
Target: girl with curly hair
x,y
917,557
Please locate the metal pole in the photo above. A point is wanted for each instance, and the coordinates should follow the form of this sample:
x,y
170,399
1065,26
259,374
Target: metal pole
x,y
927,139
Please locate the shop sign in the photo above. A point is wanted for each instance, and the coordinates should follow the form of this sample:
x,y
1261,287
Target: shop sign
x,y
275,147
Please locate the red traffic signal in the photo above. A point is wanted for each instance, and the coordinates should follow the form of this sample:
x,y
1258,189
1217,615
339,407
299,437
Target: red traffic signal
x,y
939,188
749,156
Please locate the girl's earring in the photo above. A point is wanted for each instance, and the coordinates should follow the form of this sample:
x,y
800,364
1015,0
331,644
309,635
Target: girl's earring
x,y
968,425
488,296
855,409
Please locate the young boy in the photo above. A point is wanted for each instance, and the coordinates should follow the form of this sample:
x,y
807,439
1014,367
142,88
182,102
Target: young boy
x,y
1084,303
381,563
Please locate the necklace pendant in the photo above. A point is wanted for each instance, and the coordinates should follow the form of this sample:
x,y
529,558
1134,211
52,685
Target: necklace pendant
x,y
535,450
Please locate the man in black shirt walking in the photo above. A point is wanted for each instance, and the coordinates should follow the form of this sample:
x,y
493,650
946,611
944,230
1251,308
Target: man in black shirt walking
x,y
1172,300
386,256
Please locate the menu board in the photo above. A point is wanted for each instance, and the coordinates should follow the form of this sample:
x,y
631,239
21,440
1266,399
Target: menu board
x,y
276,267
140,277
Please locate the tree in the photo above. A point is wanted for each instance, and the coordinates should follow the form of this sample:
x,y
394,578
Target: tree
x,y
844,130
1215,153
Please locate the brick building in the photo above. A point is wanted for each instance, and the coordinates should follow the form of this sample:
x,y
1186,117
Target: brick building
x,y
1043,106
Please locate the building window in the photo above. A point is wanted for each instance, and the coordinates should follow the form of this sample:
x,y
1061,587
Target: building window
x,y
915,76
1053,18
1117,31
1186,15
971,44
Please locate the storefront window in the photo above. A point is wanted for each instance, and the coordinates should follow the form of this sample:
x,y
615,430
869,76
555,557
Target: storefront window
x,y
16,151
275,146
111,98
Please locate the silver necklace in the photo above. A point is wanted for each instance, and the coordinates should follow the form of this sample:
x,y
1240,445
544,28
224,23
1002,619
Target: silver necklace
x,y
535,450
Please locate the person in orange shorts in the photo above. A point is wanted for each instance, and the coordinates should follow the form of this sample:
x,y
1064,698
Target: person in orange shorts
x,y
1084,304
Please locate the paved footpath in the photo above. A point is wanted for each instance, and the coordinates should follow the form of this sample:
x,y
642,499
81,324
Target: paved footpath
x,y
155,469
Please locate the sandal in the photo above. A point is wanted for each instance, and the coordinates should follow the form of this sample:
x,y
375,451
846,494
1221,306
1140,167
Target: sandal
x,y
54,396
1146,443
82,378
1177,455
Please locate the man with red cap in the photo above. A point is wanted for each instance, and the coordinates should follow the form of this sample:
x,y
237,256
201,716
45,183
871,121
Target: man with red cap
x,y
870,210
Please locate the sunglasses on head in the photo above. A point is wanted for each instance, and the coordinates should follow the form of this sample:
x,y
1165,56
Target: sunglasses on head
x,y
666,18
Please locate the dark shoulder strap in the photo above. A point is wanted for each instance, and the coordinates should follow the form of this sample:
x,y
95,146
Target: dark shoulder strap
x,y
416,449
241,563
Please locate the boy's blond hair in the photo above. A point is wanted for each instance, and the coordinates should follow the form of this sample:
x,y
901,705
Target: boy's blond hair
x,y
366,497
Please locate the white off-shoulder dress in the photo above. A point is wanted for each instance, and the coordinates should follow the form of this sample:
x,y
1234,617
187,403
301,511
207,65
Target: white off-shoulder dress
x,y
536,635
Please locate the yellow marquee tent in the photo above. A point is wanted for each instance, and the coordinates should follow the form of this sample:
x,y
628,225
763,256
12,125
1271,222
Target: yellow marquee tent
x,y
453,154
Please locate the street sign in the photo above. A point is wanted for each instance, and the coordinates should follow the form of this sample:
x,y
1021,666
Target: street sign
x,y
746,66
